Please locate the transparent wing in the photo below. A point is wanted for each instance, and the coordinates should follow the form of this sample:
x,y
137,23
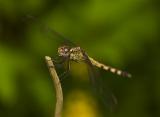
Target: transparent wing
x,y
105,95
51,33
64,41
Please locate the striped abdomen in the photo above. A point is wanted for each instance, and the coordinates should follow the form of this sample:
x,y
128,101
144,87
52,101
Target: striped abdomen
x,y
108,68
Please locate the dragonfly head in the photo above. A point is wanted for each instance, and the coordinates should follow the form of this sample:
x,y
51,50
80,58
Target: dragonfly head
x,y
64,51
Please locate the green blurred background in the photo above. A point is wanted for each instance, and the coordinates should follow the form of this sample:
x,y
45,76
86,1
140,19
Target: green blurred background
x,y
120,33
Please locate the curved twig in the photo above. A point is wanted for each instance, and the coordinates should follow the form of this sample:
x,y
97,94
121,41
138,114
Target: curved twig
x,y
57,85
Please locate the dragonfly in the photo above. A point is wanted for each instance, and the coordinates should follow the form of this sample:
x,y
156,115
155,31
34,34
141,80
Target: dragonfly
x,y
72,52
69,51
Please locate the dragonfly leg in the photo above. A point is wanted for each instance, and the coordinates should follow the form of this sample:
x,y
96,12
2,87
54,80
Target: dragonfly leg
x,y
58,60
65,74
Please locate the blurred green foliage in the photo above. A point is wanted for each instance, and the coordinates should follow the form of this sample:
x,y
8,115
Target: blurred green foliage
x,y
121,33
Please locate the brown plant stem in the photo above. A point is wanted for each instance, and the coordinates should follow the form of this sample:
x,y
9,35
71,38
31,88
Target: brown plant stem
x,y
57,85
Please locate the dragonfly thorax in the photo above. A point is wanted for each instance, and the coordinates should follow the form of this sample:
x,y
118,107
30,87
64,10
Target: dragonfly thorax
x,y
76,54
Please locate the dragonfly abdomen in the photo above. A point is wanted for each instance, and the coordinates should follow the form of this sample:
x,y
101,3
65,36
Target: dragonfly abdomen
x,y
110,69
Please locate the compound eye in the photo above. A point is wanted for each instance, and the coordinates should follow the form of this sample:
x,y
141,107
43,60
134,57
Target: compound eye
x,y
66,50
61,50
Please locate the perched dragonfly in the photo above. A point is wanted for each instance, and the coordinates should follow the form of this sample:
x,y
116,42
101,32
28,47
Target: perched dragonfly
x,y
75,53
69,51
